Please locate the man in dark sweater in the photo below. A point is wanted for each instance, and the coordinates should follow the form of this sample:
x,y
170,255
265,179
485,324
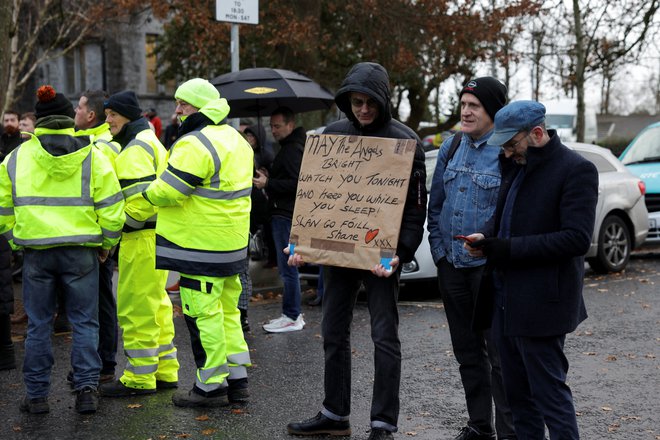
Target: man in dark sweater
x,y
11,135
281,185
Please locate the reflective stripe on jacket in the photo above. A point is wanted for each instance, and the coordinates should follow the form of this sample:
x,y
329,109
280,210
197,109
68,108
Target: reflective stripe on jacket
x,y
138,164
101,138
72,199
204,199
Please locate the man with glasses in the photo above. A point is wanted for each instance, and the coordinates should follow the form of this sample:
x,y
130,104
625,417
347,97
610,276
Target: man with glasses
x,y
536,243
364,97
463,196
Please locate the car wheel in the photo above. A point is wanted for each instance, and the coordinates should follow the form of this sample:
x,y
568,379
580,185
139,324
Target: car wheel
x,y
614,246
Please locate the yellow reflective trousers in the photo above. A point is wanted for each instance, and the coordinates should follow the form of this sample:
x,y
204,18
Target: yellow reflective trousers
x,y
210,309
145,313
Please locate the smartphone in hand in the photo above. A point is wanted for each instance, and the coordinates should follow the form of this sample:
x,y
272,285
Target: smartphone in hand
x,y
464,238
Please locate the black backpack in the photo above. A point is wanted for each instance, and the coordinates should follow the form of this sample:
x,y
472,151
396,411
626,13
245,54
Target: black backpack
x,y
455,142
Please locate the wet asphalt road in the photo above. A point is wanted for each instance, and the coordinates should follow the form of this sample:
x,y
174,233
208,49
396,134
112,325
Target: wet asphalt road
x,y
613,355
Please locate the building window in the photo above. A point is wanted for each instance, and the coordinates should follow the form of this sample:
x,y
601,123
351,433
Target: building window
x,y
74,71
152,69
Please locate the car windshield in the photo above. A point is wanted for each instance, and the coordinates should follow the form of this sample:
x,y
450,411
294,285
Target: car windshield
x,y
559,121
602,164
646,148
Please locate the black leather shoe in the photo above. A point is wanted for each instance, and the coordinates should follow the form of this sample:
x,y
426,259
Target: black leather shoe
x,y
118,389
316,301
191,399
319,425
165,385
37,405
237,391
380,434
468,433
86,400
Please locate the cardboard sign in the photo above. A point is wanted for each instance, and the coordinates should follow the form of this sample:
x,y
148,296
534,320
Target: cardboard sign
x,y
350,197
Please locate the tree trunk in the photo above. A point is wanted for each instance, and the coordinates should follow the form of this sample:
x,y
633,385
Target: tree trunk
x,y
6,13
579,69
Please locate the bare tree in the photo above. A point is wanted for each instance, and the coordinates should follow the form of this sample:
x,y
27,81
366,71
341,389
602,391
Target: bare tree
x,y
627,21
5,23
42,30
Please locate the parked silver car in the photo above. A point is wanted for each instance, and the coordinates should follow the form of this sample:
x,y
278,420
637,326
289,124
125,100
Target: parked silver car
x,y
621,217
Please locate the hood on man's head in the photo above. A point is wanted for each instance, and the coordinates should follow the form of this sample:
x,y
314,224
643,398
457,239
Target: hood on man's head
x,y
51,103
372,80
490,92
259,132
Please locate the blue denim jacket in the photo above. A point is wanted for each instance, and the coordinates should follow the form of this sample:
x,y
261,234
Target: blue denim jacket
x,y
463,197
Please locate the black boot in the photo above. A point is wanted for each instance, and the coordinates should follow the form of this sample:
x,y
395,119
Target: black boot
x,y
245,325
7,357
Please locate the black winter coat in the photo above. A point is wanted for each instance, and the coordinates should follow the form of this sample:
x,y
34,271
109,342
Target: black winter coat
x,y
372,80
552,223
283,179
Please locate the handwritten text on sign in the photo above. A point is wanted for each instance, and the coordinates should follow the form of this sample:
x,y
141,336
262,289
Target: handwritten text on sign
x,y
350,197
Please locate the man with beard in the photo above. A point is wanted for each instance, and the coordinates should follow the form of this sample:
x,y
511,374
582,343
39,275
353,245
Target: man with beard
x,y
11,135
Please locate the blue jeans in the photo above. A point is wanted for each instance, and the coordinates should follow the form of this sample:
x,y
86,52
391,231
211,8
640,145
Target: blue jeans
x,y
76,271
291,296
341,290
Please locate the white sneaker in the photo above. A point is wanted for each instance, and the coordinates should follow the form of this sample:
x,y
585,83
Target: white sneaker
x,y
285,324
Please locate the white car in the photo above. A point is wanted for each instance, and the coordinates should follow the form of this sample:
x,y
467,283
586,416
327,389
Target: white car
x,y
621,217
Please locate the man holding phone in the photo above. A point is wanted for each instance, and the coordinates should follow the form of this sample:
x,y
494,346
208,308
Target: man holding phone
x,y
463,197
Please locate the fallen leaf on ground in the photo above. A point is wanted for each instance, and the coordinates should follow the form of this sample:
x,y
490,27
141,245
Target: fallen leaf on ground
x,y
209,431
611,358
183,435
606,408
411,433
202,418
589,353
134,405
613,427
237,411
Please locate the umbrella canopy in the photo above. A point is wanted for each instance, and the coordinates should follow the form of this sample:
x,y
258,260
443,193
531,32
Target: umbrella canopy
x,y
259,91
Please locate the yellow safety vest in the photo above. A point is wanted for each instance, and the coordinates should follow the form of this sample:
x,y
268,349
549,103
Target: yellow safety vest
x,y
204,199
101,137
138,164
48,201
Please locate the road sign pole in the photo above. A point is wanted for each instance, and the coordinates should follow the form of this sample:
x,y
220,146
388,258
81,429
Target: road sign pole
x,y
236,12
235,122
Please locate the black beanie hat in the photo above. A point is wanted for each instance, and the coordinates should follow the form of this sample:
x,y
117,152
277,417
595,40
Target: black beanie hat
x,y
51,103
125,103
490,92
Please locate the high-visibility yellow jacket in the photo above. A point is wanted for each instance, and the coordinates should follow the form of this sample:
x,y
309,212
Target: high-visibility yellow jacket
x,y
204,199
101,138
137,165
63,200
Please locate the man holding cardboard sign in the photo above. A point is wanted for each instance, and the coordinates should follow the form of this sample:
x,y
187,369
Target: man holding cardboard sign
x,y
364,97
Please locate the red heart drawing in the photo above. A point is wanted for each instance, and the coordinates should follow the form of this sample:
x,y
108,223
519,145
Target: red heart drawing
x,y
370,235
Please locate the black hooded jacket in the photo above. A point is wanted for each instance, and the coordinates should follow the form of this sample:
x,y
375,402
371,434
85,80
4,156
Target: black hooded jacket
x,y
283,179
372,80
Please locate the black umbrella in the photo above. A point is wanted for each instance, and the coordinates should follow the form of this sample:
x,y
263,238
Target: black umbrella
x,y
259,91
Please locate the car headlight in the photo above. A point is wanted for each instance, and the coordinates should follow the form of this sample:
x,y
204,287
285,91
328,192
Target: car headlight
x,y
409,267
